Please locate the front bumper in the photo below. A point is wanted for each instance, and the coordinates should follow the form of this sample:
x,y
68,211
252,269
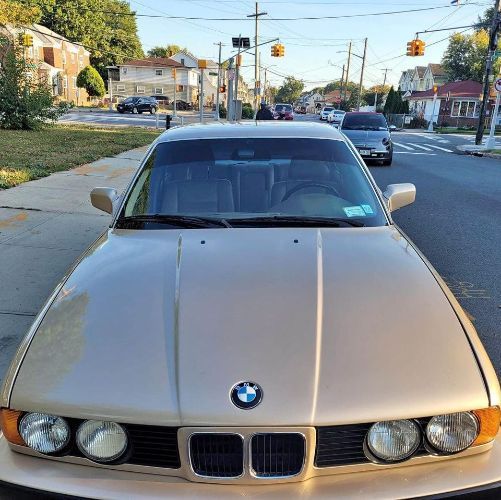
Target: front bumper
x,y
475,476
374,153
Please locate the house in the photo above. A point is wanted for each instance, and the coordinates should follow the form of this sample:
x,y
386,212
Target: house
x,y
457,103
56,59
421,78
312,100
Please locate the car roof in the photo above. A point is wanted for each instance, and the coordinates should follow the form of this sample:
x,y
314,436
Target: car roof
x,y
261,129
363,113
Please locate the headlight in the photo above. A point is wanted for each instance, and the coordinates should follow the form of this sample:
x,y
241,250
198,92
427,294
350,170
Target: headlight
x,y
452,433
101,441
394,440
44,433
386,140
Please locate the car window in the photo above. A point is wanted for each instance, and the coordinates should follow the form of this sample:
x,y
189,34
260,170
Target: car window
x,y
328,109
235,178
283,107
364,122
128,100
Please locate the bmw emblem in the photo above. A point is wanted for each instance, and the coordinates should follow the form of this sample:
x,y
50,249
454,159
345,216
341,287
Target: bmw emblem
x,y
246,395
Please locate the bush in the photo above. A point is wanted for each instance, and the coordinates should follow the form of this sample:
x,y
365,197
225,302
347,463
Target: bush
x,y
247,111
418,122
222,111
90,80
26,100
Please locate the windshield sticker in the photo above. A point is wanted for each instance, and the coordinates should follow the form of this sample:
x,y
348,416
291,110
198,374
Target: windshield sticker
x,y
354,211
367,209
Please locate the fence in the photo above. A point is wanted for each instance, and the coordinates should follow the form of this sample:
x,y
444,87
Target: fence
x,y
399,120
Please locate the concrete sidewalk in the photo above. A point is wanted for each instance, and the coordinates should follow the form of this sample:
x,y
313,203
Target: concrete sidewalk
x,y
44,226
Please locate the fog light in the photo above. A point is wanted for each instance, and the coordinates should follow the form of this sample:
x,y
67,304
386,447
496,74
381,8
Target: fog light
x,y
394,440
101,441
44,433
452,433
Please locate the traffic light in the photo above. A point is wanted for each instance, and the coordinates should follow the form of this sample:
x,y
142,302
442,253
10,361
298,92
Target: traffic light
x,y
174,73
222,89
26,40
239,59
278,50
415,48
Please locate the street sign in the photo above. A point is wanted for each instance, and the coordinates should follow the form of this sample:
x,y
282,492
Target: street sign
x,y
212,73
497,84
244,42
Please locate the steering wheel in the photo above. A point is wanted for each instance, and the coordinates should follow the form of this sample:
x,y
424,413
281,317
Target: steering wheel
x,y
331,190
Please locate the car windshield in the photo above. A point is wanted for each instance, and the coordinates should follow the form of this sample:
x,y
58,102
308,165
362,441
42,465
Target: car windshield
x,y
129,99
328,109
283,107
255,180
364,122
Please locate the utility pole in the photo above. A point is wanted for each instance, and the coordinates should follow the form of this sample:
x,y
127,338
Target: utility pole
x,y
219,71
174,76
234,117
264,87
347,72
229,106
384,83
341,88
493,39
361,76
201,95
256,15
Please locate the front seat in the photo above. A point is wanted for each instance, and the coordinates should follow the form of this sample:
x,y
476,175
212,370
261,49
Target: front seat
x,y
198,196
301,171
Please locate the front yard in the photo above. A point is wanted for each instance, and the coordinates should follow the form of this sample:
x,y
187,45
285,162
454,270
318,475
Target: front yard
x,y
28,155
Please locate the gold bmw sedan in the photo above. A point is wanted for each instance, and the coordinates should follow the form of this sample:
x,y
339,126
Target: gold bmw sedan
x,y
252,323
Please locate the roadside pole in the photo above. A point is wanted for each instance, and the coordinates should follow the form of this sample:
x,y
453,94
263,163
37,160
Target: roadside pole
x,y
493,41
216,114
491,141
231,76
361,76
435,94
237,65
347,73
110,91
382,90
174,74
201,99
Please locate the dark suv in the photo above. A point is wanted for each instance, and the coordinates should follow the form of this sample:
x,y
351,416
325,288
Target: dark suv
x,y
138,105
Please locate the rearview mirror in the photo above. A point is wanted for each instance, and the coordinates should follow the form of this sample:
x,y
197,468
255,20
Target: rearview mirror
x,y
399,195
103,198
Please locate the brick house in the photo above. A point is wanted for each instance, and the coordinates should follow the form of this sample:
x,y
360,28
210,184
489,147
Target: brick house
x,y
56,58
457,104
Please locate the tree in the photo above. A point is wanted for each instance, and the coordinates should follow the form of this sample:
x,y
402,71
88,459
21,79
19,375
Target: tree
x,y
26,100
464,58
370,94
167,51
17,14
394,103
91,81
105,27
290,90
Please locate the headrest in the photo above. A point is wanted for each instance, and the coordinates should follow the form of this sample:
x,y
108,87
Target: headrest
x,y
309,169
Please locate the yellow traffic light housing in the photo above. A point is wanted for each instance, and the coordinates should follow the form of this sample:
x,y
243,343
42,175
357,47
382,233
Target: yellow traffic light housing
x,y
281,50
222,89
415,48
274,51
410,48
278,50
174,73
26,40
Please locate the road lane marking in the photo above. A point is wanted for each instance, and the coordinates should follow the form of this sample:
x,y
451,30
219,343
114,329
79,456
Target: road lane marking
x,y
441,149
403,146
410,153
419,146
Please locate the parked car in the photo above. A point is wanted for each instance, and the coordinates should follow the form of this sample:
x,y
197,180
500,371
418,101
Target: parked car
x,y
335,116
183,105
301,110
252,321
325,111
283,112
369,133
162,99
138,105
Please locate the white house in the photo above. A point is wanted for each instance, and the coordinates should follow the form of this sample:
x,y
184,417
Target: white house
x,y
421,78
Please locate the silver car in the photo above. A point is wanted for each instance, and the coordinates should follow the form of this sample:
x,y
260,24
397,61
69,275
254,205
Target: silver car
x,y
251,324
369,133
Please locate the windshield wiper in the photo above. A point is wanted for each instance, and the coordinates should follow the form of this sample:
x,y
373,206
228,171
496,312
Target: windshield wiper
x,y
185,221
296,221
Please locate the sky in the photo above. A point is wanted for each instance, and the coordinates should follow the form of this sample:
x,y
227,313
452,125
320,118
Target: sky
x,y
315,50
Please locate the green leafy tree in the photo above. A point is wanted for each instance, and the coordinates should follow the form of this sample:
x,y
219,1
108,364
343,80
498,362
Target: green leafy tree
x,y
106,27
17,13
90,80
370,94
394,103
26,100
290,91
167,51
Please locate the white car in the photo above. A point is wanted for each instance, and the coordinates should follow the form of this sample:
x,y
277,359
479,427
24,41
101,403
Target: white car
x,y
325,111
336,116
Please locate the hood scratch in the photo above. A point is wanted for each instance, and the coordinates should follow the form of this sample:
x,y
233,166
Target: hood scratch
x,y
319,324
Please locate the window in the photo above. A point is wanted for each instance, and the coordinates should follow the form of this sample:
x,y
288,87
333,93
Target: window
x,y
179,88
235,177
81,61
124,71
65,82
73,82
159,72
158,90
182,61
120,88
140,89
466,109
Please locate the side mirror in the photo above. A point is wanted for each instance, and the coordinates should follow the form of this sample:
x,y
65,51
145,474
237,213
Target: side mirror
x,y
103,198
392,128
399,195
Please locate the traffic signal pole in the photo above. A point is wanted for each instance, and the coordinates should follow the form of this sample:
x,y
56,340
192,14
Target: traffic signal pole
x,y
493,38
216,114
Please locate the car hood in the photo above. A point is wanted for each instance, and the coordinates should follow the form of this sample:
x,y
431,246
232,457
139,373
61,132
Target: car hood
x,y
336,325
366,137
